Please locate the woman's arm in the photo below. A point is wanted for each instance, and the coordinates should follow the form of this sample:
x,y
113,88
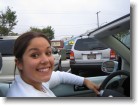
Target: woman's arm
x,y
91,85
64,77
68,78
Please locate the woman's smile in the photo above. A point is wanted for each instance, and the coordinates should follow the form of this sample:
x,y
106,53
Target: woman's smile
x,y
43,69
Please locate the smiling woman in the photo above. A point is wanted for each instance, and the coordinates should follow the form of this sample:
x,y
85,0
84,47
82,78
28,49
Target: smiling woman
x,y
35,63
38,59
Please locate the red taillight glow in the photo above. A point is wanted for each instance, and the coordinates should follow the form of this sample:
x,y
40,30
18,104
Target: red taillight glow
x,y
112,54
71,55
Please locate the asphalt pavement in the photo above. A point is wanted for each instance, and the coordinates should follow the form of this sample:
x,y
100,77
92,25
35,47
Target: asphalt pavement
x,y
65,65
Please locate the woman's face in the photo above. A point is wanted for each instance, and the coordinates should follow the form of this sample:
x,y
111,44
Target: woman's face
x,y
37,62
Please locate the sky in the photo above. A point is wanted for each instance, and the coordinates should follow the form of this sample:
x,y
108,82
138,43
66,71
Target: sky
x,y
67,17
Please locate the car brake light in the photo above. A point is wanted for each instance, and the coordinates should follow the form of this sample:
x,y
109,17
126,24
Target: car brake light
x,y
112,54
71,55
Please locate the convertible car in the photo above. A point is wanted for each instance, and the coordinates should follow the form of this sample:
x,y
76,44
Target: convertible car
x,y
115,35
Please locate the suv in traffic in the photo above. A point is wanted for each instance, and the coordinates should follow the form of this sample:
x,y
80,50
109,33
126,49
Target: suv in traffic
x,y
87,53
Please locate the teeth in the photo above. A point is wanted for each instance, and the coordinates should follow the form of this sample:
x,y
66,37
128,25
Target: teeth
x,y
43,70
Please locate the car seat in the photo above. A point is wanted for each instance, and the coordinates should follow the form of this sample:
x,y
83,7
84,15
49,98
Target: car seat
x,y
4,89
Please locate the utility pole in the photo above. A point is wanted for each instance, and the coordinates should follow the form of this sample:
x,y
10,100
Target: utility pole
x,y
98,19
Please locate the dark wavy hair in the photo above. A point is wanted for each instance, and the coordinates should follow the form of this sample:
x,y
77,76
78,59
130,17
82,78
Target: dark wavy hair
x,y
23,41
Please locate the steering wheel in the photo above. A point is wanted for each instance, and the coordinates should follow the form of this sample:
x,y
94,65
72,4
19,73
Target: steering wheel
x,y
111,93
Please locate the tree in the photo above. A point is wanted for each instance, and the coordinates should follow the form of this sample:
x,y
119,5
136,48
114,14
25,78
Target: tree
x,y
7,22
48,31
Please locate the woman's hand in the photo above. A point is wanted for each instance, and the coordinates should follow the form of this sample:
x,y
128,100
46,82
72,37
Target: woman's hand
x,y
91,86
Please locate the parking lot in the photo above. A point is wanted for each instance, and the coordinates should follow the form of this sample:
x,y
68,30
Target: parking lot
x,y
65,65
37,64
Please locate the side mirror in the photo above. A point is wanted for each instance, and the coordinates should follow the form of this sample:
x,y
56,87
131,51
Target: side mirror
x,y
0,62
109,66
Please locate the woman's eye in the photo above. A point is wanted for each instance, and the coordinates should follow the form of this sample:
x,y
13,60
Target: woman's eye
x,y
35,55
49,53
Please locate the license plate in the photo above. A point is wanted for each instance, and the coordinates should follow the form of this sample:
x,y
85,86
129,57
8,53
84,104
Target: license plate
x,y
91,56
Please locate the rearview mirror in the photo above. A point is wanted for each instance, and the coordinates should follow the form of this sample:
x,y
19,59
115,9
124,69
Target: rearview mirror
x,y
109,66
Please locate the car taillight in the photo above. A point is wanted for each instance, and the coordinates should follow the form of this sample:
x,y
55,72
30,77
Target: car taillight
x,y
112,54
71,55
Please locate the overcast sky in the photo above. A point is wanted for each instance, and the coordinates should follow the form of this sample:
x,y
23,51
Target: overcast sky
x,y
67,17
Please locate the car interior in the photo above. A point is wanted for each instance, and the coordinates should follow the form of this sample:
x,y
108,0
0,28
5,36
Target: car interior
x,y
116,81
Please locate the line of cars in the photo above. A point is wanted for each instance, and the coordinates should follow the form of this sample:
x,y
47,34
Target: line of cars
x,y
116,36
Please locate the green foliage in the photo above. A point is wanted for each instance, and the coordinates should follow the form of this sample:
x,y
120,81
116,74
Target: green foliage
x,y
48,31
7,22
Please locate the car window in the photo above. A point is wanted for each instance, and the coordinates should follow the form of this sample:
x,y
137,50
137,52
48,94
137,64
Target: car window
x,y
124,37
68,47
6,47
89,44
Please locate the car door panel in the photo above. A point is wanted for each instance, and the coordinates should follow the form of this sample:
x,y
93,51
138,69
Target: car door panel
x,y
66,90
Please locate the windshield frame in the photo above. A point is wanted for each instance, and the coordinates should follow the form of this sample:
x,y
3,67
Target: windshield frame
x,y
124,37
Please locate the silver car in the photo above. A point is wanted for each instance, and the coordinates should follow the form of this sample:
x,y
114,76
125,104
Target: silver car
x,y
89,53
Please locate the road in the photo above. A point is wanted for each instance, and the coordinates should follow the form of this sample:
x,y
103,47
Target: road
x,y
65,65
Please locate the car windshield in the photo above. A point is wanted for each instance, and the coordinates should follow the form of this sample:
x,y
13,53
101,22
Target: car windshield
x,y
89,44
124,37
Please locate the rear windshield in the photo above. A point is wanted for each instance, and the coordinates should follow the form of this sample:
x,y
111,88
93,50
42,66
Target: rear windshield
x,y
89,44
6,47
68,47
